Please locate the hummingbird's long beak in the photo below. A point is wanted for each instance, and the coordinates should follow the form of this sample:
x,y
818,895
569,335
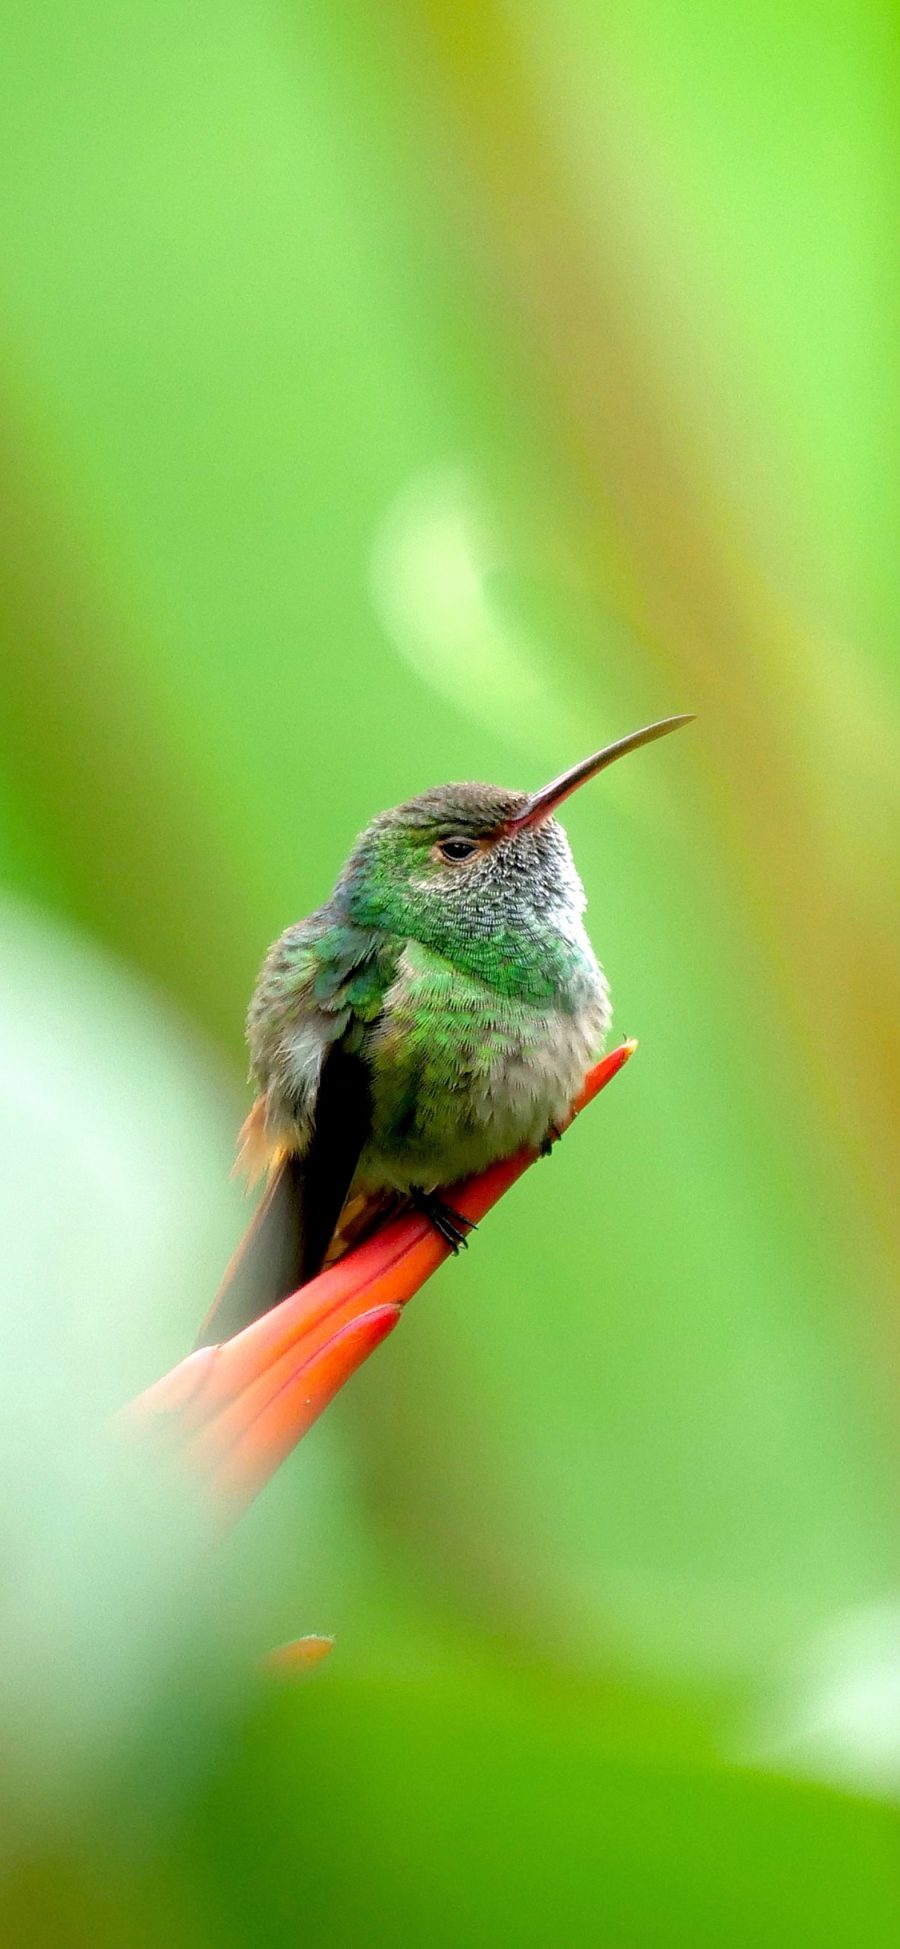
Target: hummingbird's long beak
x,y
543,803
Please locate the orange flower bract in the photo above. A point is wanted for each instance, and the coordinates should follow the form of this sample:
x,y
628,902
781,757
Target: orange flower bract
x,y
238,1409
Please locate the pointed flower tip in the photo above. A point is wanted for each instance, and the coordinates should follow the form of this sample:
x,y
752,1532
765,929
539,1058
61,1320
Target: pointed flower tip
x,y
603,1073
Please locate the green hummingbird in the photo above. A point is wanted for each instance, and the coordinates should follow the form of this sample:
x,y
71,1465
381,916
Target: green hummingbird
x,y
437,1013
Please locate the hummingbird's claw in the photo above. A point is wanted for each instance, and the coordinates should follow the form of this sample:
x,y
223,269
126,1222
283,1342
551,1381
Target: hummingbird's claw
x,y
551,1136
452,1226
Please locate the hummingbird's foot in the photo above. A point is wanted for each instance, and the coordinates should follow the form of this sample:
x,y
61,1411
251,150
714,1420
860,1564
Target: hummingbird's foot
x,y
453,1226
552,1136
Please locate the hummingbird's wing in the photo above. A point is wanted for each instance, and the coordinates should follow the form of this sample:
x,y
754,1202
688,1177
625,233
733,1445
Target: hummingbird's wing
x,y
324,1012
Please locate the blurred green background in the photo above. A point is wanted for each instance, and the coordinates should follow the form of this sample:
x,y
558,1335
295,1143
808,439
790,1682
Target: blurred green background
x,y
390,395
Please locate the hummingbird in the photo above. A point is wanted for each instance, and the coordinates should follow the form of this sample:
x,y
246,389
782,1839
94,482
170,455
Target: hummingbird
x,y
436,1014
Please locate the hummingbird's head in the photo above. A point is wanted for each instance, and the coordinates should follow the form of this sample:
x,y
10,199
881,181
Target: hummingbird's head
x,y
476,872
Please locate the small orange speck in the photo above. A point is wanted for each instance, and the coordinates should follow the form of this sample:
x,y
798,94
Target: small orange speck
x,y
295,1659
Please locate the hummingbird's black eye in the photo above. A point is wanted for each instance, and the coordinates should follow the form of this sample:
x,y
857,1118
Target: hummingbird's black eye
x,y
456,850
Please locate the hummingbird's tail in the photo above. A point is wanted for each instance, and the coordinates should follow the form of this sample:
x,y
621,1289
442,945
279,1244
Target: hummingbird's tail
x,y
310,1211
268,1263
